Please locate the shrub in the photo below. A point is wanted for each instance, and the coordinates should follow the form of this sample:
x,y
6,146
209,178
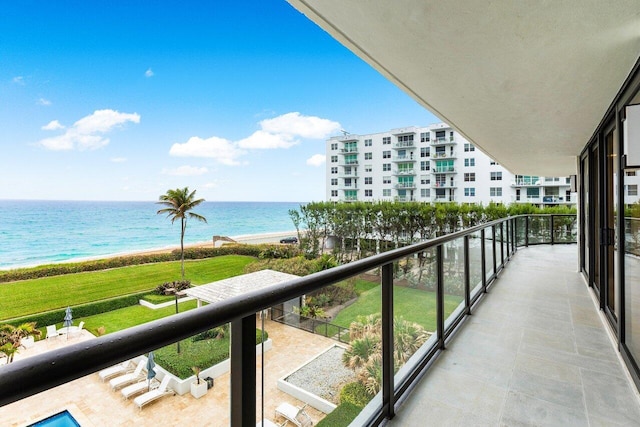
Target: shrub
x,y
215,333
168,288
356,394
341,416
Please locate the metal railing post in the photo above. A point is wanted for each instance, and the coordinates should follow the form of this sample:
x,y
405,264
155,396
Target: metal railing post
x,y
440,297
493,248
483,256
243,372
387,342
526,230
553,238
467,277
501,244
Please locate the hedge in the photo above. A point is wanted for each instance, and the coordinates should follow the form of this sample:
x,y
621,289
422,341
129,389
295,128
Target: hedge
x,y
341,416
355,393
84,310
258,251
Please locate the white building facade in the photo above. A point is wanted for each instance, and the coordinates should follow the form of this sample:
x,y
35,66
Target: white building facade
x,y
429,164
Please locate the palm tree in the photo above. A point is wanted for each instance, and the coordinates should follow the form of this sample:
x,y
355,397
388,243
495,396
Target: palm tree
x,y
179,203
10,337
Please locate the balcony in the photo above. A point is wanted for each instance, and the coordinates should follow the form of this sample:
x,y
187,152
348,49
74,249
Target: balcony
x,y
348,151
443,141
348,163
404,172
347,186
443,184
404,144
403,159
443,155
534,347
405,185
445,198
450,169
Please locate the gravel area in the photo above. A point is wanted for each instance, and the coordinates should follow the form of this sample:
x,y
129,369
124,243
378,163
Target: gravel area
x,y
324,376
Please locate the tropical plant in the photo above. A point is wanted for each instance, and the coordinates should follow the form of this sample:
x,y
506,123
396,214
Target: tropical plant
x,y
179,203
196,370
10,337
364,354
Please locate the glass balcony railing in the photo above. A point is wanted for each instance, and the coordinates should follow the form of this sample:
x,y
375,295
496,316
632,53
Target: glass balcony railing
x,y
404,172
449,169
417,295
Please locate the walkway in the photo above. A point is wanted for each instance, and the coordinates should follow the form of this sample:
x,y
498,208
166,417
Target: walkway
x,y
535,352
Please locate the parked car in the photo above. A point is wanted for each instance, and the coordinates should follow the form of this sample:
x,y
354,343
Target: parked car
x,y
289,240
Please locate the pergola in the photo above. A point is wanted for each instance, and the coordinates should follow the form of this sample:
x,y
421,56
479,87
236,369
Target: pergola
x,y
236,286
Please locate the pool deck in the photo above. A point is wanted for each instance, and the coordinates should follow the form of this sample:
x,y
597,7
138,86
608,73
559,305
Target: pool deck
x,y
92,403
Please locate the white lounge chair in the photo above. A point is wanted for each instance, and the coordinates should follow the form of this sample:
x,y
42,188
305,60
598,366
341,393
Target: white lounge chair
x,y
119,369
294,414
126,379
268,423
139,387
52,332
150,396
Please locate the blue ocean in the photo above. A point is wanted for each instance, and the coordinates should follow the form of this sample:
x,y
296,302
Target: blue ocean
x,y
40,232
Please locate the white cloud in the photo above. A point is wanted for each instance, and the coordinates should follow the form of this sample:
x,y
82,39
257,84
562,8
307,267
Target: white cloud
x,y
148,73
211,184
118,159
220,149
43,102
53,125
19,80
317,160
87,132
295,124
264,140
186,171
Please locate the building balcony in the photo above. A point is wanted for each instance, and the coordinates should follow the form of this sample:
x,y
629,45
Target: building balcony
x,y
535,350
348,151
451,169
349,198
443,155
405,185
445,198
348,163
404,144
404,172
443,184
401,159
443,141
404,199
348,187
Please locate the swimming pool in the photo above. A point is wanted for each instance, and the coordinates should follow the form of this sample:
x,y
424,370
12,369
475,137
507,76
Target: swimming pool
x,y
61,419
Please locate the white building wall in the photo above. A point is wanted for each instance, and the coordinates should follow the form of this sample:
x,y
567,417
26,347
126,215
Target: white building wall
x,y
402,165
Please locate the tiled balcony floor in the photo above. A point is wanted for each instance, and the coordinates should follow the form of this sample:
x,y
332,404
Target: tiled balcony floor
x,y
534,352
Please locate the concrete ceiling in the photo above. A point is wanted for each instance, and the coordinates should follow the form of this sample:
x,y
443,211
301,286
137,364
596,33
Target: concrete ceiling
x,y
526,81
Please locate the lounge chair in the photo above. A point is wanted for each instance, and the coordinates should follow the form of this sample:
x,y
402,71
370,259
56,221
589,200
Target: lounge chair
x,y
139,387
296,415
52,332
150,396
119,369
268,423
126,379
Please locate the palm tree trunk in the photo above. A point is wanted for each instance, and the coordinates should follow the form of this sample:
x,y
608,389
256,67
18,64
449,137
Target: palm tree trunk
x,y
182,248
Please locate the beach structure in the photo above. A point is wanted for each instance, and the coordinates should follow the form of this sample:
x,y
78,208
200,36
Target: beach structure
x,y
547,89
432,163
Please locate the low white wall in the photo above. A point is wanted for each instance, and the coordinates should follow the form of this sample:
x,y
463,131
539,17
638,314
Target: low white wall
x,y
183,386
152,306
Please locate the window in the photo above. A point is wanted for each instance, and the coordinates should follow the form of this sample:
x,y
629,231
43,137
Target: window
x,y
368,168
334,170
469,147
386,167
334,159
470,162
632,190
425,192
334,193
386,192
469,191
368,156
368,193
347,170
493,162
386,140
496,176
368,143
425,180
334,146
368,180
405,138
425,165
495,191
424,152
469,177
334,181
628,173
386,180
424,137
386,154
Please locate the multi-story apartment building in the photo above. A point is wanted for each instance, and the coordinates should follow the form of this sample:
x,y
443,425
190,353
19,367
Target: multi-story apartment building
x,y
429,164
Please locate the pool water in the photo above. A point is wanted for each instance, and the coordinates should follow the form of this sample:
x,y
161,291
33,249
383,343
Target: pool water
x,y
61,419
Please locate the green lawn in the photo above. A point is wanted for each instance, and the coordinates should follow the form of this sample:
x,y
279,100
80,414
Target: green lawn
x,y
38,295
412,304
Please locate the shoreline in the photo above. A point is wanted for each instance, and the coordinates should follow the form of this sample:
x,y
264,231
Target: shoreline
x,y
250,239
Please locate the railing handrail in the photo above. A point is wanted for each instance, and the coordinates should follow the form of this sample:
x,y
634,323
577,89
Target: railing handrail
x,y
26,377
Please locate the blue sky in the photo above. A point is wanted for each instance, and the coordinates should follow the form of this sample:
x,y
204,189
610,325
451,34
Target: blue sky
x,y
124,100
